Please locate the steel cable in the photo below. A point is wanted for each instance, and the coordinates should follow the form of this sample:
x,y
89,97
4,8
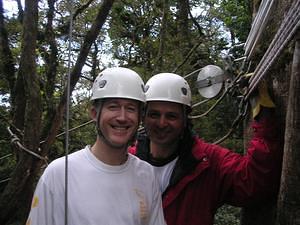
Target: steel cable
x,y
259,24
284,34
70,5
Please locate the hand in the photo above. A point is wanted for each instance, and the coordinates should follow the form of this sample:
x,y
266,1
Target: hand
x,y
261,99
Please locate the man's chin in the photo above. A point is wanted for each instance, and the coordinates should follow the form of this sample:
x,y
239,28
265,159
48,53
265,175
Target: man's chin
x,y
160,141
121,143
118,145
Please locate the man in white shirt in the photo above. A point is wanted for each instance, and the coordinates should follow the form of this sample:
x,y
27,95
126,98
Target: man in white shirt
x,y
106,185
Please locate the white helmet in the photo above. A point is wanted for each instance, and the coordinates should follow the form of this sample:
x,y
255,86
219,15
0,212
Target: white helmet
x,y
168,87
118,82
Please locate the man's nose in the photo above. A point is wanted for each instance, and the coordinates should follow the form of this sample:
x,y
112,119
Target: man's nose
x,y
162,121
122,114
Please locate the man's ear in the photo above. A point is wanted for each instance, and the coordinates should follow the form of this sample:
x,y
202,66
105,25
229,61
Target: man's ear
x,y
93,113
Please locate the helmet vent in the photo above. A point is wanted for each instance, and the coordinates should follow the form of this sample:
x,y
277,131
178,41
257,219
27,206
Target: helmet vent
x,y
146,88
184,91
102,83
143,88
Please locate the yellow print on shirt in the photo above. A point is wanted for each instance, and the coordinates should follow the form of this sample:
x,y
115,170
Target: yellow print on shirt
x,y
142,205
35,202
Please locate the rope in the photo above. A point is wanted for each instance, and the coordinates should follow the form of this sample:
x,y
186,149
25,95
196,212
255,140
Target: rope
x,y
11,125
200,103
5,180
188,75
243,109
210,109
15,140
6,156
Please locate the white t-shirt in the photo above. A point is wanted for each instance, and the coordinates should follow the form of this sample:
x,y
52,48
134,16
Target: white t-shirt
x,y
98,194
163,174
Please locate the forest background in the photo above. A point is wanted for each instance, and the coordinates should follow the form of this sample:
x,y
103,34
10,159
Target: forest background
x,y
42,42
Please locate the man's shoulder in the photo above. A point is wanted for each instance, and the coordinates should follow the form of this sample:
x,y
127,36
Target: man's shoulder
x,y
139,162
141,165
61,161
202,148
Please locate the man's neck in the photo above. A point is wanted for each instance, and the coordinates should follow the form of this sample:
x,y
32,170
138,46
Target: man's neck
x,y
161,151
109,155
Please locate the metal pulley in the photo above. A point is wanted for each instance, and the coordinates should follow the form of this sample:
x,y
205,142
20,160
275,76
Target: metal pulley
x,y
210,81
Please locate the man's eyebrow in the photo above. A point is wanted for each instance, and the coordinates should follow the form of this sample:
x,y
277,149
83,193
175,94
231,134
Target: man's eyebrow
x,y
152,110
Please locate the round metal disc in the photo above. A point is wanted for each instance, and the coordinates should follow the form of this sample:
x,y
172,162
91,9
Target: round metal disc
x,y
210,81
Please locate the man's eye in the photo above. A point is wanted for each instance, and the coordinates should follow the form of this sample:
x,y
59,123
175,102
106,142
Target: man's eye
x,y
113,107
153,115
172,117
132,109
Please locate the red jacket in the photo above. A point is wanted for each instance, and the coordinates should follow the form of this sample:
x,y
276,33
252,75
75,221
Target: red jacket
x,y
222,176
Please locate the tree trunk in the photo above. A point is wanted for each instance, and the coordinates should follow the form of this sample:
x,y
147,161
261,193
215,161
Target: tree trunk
x,y
183,34
162,41
76,71
183,26
6,58
278,77
288,211
16,198
17,194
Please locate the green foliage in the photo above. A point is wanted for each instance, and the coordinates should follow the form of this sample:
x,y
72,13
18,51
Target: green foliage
x,y
227,215
134,30
218,123
236,16
132,37
7,159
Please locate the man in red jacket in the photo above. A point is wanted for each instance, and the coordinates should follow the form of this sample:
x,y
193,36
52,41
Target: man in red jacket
x,y
196,177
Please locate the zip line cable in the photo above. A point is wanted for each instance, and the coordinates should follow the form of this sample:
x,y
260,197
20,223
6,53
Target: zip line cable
x,y
71,129
288,28
68,110
259,24
283,36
